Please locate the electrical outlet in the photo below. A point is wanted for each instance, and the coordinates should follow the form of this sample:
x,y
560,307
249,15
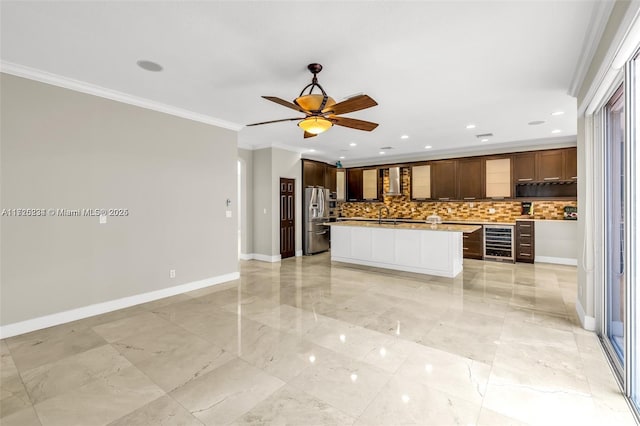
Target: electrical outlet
x,y
492,210
228,213
172,273
448,209
471,205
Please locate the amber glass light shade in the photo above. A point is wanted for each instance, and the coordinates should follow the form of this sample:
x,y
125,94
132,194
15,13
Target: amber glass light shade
x,y
315,125
313,102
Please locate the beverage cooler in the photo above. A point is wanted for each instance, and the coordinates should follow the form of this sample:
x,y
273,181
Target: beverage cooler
x,y
499,242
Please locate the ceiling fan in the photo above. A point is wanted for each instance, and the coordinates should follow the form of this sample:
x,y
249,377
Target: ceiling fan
x,y
321,111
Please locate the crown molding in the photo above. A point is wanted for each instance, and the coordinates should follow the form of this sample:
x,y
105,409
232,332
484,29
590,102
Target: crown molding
x,y
92,89
605,73
597,24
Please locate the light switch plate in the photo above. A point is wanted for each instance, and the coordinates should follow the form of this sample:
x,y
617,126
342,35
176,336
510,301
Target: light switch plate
x,y
228,213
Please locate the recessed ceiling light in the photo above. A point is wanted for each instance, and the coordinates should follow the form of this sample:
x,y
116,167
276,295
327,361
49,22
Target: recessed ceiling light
x,y
404,137
149,66
471,126
428,147
353,144
342,157
556,131
557,113
312,150
381,153
535,123
484,140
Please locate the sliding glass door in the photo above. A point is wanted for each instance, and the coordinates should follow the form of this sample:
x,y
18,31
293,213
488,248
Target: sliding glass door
x,y
615,226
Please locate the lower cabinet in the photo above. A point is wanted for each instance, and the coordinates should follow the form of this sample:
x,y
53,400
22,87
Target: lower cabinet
x,y
525,241
472,245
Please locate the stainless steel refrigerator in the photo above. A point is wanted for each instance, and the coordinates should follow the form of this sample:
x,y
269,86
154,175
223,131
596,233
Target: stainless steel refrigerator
x,y
316,212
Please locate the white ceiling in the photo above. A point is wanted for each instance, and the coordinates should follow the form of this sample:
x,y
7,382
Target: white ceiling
x,y
433,67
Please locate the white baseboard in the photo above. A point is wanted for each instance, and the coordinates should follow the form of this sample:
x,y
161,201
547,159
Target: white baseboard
x,y
557,260
260,257
298,253
588,323
38,323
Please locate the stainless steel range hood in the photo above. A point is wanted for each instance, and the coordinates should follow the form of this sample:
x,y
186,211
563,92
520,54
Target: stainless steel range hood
x,y
395,187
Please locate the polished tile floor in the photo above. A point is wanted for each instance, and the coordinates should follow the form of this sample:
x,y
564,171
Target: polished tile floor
x,y
305,342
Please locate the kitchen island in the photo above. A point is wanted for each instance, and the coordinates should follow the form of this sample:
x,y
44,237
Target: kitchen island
x,y
412,247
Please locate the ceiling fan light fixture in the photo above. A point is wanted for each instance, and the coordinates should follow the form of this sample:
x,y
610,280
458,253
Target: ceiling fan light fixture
x,y
315,125
314,102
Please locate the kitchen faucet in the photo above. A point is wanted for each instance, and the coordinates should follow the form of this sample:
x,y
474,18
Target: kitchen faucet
x,y
380,213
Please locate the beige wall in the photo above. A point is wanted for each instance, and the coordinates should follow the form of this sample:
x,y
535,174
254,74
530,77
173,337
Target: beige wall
x,y
262,202
269,165
285,164
245,156
65,149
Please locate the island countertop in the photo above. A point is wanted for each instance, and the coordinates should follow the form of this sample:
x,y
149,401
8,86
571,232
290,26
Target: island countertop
x,y
465,229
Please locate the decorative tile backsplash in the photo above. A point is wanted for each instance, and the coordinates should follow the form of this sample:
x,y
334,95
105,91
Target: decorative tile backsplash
x,y
401,206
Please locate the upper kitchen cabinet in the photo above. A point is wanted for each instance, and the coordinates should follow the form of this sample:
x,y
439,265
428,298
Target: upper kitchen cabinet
x,y
330,178
550,165
443,180
555,174
354,185
571,164
340,185
370,184
524,167
421,182
498,177
470,179
313,173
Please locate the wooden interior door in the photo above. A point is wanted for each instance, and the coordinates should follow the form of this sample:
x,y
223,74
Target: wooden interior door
x,y
287,217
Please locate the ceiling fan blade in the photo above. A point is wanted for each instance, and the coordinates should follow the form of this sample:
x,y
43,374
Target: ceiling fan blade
x,y
309,135
355,103
275,121
353,123
285,103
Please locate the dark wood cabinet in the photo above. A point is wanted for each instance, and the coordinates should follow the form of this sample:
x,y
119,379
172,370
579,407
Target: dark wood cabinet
x,y
524,167
470,179
571,164
313,173
550,165
525,241
354,185
443,180
472,245
330,178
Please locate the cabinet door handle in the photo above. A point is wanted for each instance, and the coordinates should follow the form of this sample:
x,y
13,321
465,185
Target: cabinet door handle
x,y
465,248
525,254
574,177
443,198
465,236
469,198
525,179
552,178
